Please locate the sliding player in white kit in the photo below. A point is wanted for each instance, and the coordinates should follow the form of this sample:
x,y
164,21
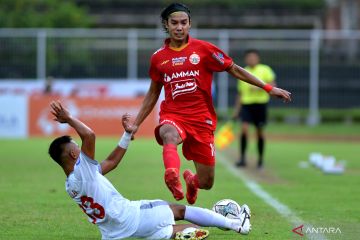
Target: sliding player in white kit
x,y
116,216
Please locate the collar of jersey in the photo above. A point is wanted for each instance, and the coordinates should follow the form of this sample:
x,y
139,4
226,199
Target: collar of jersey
x,y
69,175
167,42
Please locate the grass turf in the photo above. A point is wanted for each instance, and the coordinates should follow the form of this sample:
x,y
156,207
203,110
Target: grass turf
x,y
36,206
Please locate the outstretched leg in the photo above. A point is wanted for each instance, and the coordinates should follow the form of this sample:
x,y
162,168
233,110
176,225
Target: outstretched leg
x,y
207,218
179,212
171,139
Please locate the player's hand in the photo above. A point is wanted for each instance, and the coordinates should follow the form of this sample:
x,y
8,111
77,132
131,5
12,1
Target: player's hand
x,y
281,93
128,126
126,122
60,113
134,130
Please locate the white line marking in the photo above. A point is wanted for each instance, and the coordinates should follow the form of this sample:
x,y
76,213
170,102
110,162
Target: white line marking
x,y
281,208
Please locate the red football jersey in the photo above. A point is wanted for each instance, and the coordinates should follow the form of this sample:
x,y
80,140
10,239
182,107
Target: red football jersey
x,y
187,76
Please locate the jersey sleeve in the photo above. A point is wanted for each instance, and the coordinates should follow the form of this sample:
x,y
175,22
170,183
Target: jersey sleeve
x,y
86,168
218,61
153,71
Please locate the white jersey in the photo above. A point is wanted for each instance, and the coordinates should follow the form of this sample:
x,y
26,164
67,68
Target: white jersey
x,y
116,216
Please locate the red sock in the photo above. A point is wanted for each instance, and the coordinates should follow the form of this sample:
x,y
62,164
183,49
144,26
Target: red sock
x,y
170,156
195,181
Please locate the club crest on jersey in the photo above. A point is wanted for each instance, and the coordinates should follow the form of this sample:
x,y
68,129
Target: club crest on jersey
x,y
183,87
175,75
194,58
178,61
219,57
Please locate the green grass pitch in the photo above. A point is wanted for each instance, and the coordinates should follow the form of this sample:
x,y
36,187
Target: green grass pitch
x,y
34,204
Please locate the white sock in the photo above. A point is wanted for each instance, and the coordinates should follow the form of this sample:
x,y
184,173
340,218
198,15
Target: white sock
x,y
207,218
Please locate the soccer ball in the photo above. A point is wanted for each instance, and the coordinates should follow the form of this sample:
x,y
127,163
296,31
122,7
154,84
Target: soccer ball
x,y
228,208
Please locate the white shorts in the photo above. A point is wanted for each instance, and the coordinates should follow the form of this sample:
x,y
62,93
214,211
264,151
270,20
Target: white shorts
x,y
156,220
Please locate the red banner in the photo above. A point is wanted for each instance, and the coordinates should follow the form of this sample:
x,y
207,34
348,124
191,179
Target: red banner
x,y
103,115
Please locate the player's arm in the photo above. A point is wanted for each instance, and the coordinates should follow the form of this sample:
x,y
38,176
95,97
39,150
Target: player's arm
x,y
148,104
240,73
87,135
118,153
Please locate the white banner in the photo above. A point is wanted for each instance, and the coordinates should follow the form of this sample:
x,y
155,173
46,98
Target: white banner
x,y
13,116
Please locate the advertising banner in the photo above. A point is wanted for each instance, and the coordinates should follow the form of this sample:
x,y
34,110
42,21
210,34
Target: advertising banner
x,y
13,116
103,115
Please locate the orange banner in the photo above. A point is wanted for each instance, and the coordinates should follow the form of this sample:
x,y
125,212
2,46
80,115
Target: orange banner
x,y
103,115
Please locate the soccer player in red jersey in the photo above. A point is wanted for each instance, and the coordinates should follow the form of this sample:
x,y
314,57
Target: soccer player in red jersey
x,y
184,66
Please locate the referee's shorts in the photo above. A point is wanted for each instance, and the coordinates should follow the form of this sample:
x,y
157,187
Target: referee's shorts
x,y
254,113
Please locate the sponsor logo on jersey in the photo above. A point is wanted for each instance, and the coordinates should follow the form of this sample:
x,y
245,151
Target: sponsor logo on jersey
x,y
178,61
73,193
219,57
167,78
183,87
175,75
194,58
164,62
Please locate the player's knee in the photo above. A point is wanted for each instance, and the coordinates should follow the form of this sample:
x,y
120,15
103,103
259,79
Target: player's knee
x,y
178,211
244,132
170,137
244,129
260,132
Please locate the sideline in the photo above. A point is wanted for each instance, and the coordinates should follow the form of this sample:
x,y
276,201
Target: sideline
x,y
281,208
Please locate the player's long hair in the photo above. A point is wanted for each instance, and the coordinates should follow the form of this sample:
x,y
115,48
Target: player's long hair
x,y
174,7
57,146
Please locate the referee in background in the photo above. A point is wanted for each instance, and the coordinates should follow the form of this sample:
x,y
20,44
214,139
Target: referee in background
x,y
251,105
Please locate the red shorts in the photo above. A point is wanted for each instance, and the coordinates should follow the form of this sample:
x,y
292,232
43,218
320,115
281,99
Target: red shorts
x,y
198,143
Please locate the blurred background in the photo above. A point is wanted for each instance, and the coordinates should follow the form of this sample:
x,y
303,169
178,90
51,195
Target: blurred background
x,y
100,49
94,56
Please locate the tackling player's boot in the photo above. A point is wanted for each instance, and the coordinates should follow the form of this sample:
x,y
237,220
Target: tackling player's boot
x,y
191,189
172,181
244,226
192,234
